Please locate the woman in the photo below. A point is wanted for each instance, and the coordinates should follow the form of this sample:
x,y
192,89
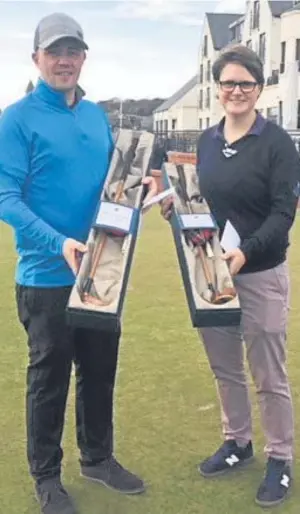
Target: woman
x,y
248,172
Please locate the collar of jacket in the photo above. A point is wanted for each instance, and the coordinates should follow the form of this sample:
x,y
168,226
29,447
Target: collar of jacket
x,y
54,97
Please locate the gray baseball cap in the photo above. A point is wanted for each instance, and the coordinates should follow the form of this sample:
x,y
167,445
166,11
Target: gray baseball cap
x,y
57,26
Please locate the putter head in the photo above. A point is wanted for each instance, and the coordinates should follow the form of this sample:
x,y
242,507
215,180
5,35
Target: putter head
x,y
219,298
89,295
226,296
85,288
94,300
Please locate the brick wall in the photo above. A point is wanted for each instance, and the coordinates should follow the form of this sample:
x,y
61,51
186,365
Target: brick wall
x,y
182,158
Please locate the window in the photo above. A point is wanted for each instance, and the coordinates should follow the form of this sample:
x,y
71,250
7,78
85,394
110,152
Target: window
x,y
201,99
161,126
205,46
275,76
239,32
297,52
156,126
208,71
165,125
207,103
282,60
200,123
255,19
249,43
236,32
262,47
201,74
207,122
174,124
272,114
298,117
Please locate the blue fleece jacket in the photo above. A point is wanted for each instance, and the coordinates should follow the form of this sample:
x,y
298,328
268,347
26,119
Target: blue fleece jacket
x,y
53,164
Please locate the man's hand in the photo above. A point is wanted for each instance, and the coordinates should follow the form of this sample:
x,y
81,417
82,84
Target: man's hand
x,y
152,188
166,207
236,260
71,251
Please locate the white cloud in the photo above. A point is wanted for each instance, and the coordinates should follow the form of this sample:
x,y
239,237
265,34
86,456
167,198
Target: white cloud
x,y
231,6
135,83
14,82
113,67
172,11
6,34
119,47
189,20
151,10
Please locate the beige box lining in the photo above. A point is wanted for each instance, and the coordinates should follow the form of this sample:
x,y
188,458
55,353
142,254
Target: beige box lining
x,y
109,276
218,267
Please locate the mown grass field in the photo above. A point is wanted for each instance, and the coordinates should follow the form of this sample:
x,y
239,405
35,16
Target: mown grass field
x,y
166,410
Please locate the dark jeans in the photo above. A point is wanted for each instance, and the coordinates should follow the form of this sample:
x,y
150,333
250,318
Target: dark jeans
x,y
52,348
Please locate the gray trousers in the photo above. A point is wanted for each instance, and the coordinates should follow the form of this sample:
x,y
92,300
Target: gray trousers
x,y
264,298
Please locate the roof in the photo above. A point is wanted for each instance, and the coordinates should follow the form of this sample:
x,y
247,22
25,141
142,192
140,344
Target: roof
x,y
219,27
296,7
178,95
280,6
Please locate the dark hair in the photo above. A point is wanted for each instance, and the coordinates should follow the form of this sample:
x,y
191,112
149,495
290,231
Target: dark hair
x,y
242,55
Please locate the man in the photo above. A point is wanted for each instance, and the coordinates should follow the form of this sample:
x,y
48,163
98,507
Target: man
x,y
55,151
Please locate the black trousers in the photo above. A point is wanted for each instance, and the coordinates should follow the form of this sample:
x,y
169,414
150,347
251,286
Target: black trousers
x,y
53,346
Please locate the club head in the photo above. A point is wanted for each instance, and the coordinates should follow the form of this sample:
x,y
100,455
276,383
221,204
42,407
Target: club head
x,y
219,298
224,297
94,300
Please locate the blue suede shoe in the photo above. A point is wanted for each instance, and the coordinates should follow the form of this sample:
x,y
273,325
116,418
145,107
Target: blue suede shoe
x,y
276,484
228,457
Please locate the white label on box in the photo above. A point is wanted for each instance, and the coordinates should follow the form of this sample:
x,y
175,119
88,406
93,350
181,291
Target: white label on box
x,y
230,239
115,216
197,221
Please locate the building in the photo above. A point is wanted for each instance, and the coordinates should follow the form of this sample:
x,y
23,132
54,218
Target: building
x,y
272,29
217,33
180,111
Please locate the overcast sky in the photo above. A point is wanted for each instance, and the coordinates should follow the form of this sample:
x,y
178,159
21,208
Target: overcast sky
x,y
137,48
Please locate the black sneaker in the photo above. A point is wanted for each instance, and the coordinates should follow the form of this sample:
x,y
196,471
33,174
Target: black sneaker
x,y
228,457
111,474
53,498
275,485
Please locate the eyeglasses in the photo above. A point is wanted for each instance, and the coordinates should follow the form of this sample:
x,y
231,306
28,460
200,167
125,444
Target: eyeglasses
x,y
246,86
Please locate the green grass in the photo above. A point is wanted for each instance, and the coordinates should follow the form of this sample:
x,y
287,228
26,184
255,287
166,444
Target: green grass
x,y
166,409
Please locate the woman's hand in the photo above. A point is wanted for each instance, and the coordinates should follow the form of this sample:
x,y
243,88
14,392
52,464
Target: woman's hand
x,y
152,188
236,260
166,207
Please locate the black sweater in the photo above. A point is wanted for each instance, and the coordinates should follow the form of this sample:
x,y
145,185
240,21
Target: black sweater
x,y
256,188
